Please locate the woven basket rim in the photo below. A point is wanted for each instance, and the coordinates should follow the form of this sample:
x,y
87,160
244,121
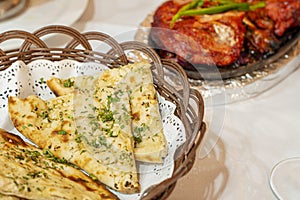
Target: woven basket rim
x,y
189,102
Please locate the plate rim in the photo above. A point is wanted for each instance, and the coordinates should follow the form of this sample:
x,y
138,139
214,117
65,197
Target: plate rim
x,y
10,24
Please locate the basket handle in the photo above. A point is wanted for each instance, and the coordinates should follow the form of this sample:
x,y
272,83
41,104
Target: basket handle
x,y
58,29
99,36
18,34
2,53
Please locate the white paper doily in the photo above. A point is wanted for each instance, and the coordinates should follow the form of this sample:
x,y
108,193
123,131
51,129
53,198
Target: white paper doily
x,y
22,80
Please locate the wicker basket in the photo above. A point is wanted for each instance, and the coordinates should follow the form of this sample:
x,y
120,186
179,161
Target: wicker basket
x,y
190,105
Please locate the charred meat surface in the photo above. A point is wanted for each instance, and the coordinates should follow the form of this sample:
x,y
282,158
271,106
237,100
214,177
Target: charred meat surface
x,y
230,38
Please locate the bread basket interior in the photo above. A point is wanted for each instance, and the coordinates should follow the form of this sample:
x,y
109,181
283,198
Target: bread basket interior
x,y
166,75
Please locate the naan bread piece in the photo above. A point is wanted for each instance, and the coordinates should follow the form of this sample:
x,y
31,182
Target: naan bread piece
x,y
29,173
150,142
5,197
136,79
60,87
90,128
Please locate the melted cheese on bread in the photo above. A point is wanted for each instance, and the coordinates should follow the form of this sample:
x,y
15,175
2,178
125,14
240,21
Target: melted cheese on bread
x,y
89,128
147,129
150,142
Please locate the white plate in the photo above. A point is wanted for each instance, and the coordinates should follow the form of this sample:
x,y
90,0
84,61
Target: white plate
x,y
42,13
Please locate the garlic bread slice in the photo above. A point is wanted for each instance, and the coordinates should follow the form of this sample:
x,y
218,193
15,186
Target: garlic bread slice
x,y
29,173
89,128
147,127
136,80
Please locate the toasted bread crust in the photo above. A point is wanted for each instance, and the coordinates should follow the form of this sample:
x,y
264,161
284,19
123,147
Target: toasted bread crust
x,y
31,175
152,145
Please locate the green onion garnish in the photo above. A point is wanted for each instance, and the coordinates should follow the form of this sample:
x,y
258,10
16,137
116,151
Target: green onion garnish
x,y
225,5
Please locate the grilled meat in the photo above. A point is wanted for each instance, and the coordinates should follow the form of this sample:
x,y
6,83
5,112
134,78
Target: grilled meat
x,y
284,13
205,39
231,38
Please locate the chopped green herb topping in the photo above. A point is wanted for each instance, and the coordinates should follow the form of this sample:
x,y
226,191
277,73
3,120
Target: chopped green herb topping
x,y
44,114
42,80
137,139
105,115
68,83
62,132
53,158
